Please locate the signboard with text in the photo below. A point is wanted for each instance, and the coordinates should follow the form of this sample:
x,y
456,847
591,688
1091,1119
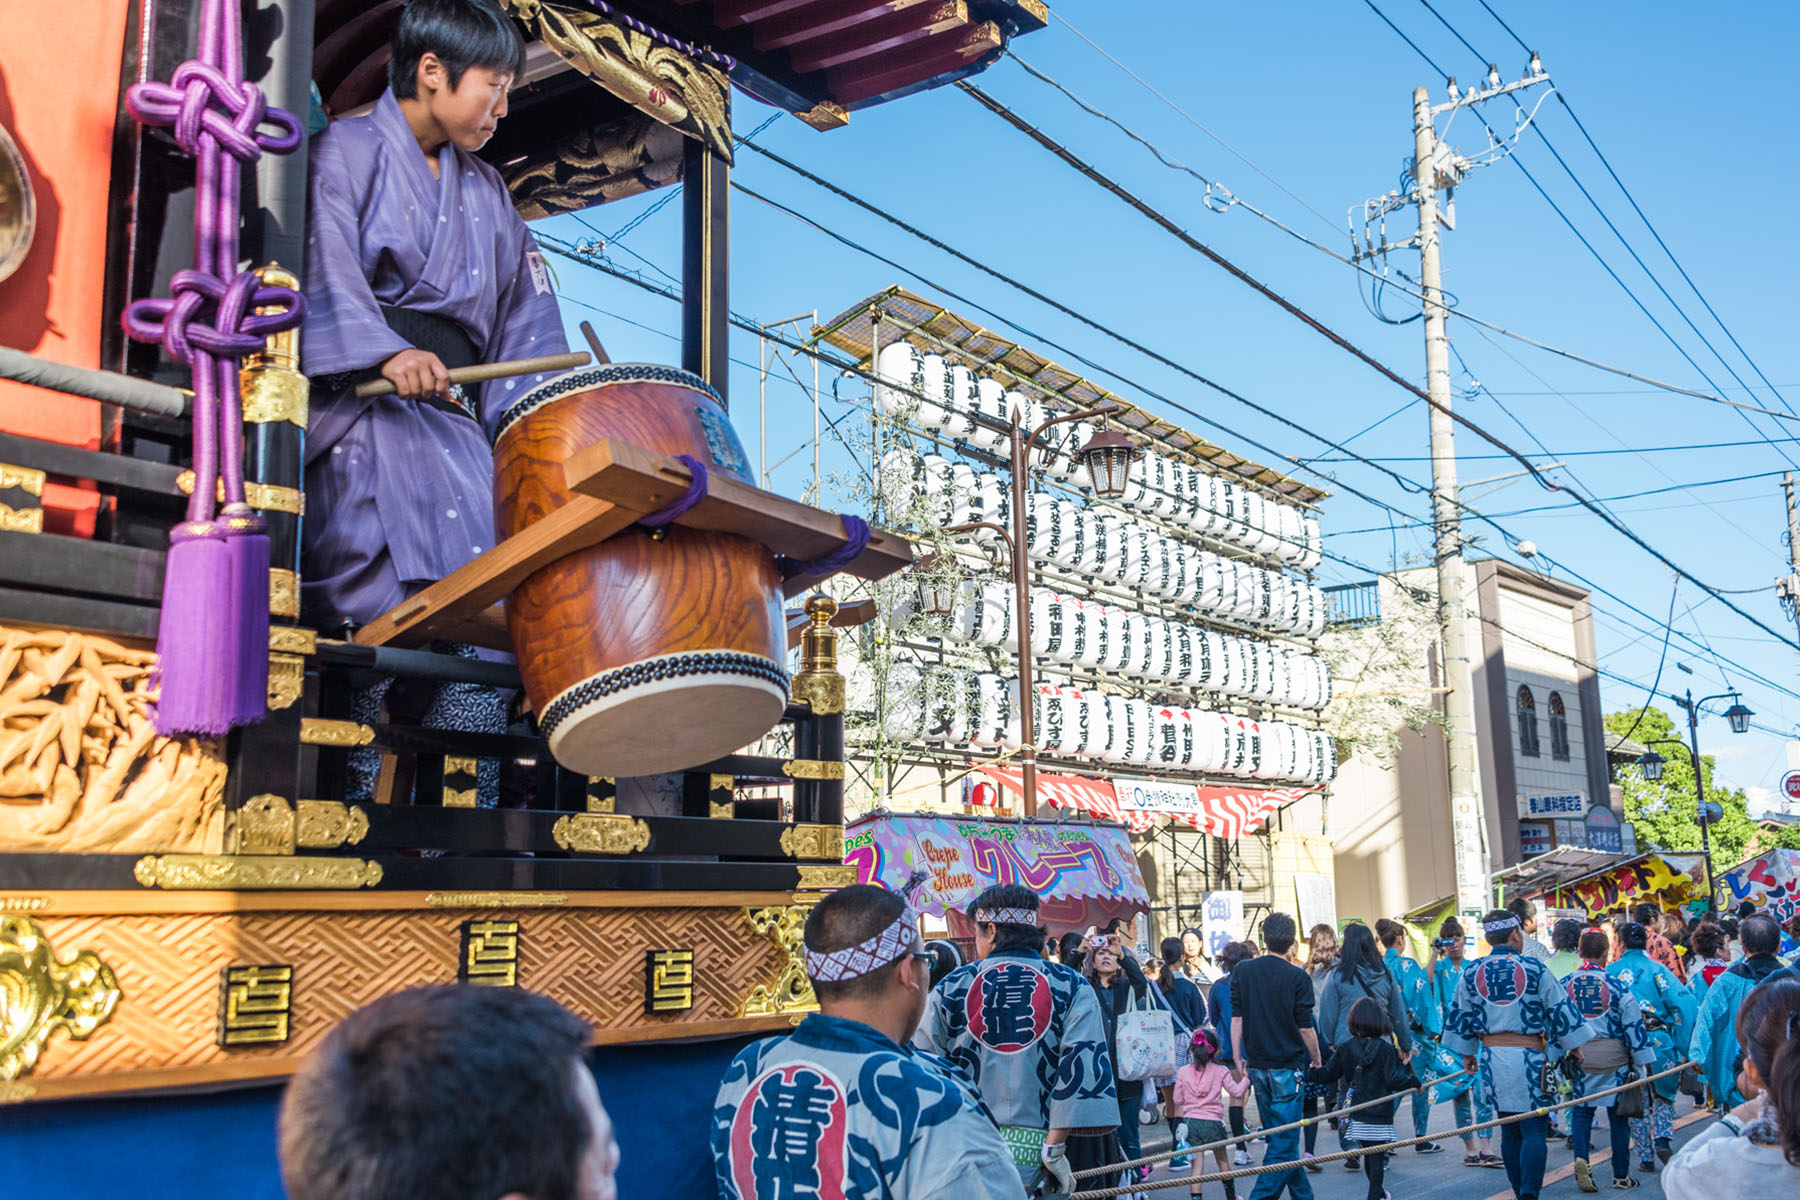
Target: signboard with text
x,y
1221,920
1534,838
1603,832
1549,807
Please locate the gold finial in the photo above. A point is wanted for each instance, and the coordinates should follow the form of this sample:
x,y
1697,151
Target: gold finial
x,y
818,682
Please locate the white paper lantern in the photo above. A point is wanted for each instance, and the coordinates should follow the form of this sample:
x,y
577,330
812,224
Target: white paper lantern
x,y
1090,635
934,393
996,717
1209,500
1111,565
1074,530
993,607
1093,543
1050,719
990,404
901,371
1203,671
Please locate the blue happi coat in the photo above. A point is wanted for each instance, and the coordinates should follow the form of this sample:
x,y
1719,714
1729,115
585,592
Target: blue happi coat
x,y
1507,992
1430,1060
1665,1001
1612,1013
836,1110
1030,1034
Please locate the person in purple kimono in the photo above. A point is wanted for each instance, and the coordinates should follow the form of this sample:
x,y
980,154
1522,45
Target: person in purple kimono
x,y
416,262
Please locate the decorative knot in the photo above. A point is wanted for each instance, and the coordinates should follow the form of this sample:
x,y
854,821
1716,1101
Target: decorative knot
x,y
234,329
200,101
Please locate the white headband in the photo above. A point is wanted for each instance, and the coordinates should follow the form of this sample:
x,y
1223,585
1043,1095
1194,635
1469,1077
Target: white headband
x,y
1006,916
853,962
1511,922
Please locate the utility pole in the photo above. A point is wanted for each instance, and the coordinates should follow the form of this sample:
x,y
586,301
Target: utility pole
x,y
1468,820
1789,588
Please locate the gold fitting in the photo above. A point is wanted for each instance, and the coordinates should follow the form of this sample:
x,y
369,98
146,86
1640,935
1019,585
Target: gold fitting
x,y
813,841
279,349
812,768
284,592
818,644
45,995
268,497
601,833
825,116
230,872
328,824
814,879
30,518
29,480
315,731
290,639
264,825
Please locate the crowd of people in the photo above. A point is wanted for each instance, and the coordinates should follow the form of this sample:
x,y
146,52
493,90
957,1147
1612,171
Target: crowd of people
x,y
1010,1075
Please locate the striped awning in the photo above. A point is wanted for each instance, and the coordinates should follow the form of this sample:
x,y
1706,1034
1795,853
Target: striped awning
x,y
1140,805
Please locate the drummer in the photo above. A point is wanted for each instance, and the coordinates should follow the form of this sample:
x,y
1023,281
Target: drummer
x,y
416,262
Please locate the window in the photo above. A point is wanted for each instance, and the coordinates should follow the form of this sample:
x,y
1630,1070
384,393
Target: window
x,y
1559,729
1528,736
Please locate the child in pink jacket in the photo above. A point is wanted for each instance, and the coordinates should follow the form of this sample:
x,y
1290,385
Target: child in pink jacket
x,y
1198,1087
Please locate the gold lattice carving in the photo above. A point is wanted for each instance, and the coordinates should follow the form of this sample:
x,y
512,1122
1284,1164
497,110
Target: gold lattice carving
x,y
792,991
81,768
590,959
39,995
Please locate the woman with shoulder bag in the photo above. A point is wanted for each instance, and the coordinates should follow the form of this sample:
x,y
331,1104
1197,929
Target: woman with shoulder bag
x,y
1122,988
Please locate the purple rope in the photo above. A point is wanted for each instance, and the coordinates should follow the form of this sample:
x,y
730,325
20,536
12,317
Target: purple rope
x,y
682,504
855,528
688,48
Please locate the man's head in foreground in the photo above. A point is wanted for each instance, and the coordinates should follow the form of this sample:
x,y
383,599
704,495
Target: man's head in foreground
x,y
449,1093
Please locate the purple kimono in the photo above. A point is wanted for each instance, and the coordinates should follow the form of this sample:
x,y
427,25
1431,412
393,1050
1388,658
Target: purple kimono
x,y
400,493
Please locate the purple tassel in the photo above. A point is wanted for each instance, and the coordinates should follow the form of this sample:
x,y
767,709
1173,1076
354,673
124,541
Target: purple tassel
x,y
247,551
193,643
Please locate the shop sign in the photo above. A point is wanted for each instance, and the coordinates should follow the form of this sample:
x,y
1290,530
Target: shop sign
x,y
1603,830
1559,804
1534,838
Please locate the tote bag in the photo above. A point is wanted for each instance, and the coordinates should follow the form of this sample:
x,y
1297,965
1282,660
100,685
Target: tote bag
x,y
1146,1042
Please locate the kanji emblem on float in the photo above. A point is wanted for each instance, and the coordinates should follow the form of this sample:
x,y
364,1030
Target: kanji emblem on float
x,y
1500,980
1009,1007
788,1139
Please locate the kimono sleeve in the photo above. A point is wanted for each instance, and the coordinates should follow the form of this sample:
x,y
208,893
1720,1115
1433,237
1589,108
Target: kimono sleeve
x,y
963,1157
1679,1010
1637,1037
1463,1026
932,1035
1564,1026
1398,1014
1083,1094
528,323
1713,1012
344,329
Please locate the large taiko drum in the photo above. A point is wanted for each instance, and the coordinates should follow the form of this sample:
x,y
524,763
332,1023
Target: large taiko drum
x,y
640,655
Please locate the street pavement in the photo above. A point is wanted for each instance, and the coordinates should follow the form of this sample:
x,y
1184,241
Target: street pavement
x,y
1413,1176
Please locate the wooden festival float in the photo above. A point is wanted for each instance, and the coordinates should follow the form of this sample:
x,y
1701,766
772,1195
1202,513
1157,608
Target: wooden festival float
x,y
182,915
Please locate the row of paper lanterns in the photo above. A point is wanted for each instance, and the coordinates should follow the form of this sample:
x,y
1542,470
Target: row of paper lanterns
x,y
1106,546
1085,633
928,392
956,707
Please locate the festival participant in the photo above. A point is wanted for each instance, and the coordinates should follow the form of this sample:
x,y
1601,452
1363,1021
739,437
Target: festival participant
x,y
1710,959
1715,1045
1508,1016
1119,984
416,261
1031,1035
1657,947
1565,941
1425,1022
842,1106
1526,911
1619,1041
1754,1150
1272,1031
1447,969
452,1092
1669,1010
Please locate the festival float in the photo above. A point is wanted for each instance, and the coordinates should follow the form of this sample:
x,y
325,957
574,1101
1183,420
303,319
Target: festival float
x,y
188,899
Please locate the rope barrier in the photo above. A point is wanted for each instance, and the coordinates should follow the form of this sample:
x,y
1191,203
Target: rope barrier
x,y
1189,1181
1248,1137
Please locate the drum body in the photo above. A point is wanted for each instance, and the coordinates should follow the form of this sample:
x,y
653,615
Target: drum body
x,y
640,656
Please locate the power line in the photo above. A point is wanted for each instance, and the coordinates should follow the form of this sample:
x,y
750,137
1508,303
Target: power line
x,y
1555,453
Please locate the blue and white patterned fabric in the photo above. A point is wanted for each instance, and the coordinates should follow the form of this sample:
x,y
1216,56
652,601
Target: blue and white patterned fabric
x,y
1612,1012
1660,995
1506,992
838,1111
1030,1034
1431,1062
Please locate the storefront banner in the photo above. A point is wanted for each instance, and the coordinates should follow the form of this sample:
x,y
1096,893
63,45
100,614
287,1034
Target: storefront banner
x,y
1676,877
1221,920
964,856
1771,881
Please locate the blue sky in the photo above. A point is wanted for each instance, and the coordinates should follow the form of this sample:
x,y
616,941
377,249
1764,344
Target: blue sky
x,y
1691,110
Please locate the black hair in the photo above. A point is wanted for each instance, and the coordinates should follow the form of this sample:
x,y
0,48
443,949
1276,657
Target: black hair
x,y
1521,908
1451,928
1172,954
1499,937
1595,945
1760,935
1369,1020
1359,952
1645,913
1009,895
845,918
1731,927
1389,933
1709,941
462,33
1233,954
1068,949
401,1094
1203,1051
1634,936
1278,932
945,958
1565,934
1746,909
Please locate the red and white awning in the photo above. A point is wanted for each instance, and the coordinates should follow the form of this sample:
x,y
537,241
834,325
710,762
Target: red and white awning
x,y
1139,804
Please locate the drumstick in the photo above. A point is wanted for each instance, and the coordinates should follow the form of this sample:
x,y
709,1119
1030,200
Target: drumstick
x,y
485,371
601,358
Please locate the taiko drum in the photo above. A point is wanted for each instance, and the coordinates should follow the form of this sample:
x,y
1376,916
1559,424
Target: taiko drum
x,y
641,654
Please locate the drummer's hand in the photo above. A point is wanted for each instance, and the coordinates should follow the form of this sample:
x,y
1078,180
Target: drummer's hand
x,y
416,373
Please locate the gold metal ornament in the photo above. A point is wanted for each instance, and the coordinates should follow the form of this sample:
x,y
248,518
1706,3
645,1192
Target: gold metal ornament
x,y
267,496
292,639
824,878
227,872
284,593
819,683
601,833
316,731
792,991
496,899
328,824
812,768
265,825
813,841
39,995
29,480
287,679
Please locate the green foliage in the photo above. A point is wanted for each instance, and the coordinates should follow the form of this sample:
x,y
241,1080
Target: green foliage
x,y
1664,812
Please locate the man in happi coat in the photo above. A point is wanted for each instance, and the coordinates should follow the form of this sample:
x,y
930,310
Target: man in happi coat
x,y
1619,1043
1029,1032
1669,1010
1715,1048
1510,1020
415,262
843,1108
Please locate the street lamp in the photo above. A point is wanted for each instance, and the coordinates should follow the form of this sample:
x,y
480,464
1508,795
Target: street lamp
x,y
1651,765
1107,457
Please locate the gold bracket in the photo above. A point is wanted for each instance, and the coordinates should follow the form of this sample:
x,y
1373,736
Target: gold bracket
x,y
327,824
284,593
813,879
264,825
292,639
45,995
229,872
29,480
813,841
812,768
601,833
315,731
267,496
792,991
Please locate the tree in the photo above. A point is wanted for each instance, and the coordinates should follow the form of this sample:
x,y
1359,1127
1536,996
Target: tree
x,y
1664,813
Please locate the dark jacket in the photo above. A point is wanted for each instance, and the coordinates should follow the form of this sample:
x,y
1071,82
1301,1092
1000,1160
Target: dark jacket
x,y
1218,1015
1184,1000
1129,989
1345,987
1371,1067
